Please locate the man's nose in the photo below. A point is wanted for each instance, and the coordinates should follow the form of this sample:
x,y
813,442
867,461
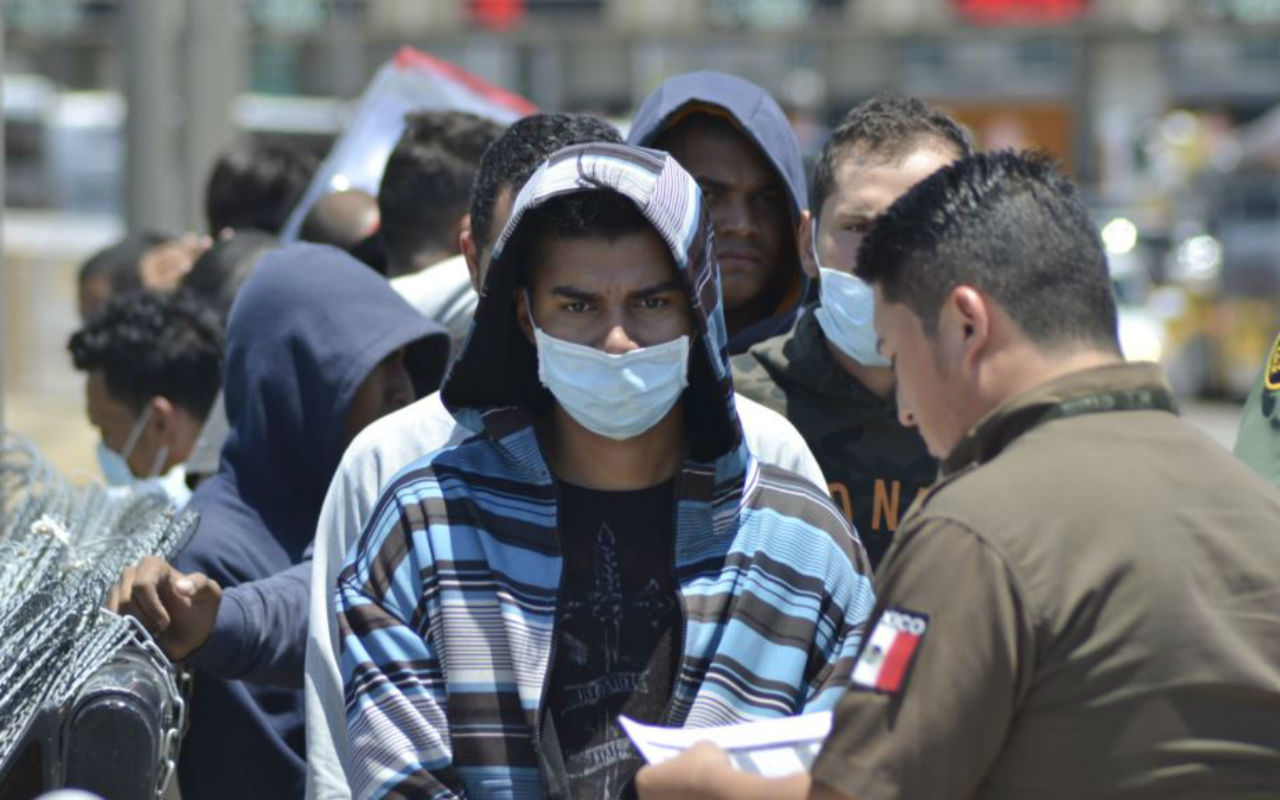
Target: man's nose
x,y
617,341
907,419
401,390
733,216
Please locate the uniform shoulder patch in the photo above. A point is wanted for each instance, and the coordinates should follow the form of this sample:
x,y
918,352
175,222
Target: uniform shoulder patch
x,y
1272,379
886,657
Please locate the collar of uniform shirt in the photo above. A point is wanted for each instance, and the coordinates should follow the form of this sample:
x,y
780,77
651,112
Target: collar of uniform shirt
x,y
1115,387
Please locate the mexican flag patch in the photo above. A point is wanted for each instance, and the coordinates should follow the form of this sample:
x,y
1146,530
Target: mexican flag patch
x,y
887,655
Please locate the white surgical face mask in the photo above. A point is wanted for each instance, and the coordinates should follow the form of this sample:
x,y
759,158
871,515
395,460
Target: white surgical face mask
x,y
115,466
617,396
173,485
115,469
846,305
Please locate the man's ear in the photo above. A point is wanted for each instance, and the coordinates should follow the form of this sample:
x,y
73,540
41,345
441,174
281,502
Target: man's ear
x,y
162,410
805,243
470,254
521,297
972,316
163,420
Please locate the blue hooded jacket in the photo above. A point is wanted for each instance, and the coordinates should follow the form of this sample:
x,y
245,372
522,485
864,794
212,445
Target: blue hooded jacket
x,y
305,331
755,113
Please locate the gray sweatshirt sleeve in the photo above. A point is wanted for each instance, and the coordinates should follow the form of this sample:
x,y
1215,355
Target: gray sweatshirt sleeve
x,y
260,634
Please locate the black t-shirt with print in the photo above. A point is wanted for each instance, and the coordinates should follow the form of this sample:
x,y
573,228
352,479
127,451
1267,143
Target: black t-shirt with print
x,y
617,630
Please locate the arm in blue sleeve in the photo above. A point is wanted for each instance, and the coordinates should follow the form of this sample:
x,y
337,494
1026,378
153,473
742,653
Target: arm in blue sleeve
x,y
260,634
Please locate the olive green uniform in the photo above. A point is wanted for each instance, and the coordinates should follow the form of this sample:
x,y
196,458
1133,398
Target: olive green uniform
x,y
874,466
1258,441
1097,586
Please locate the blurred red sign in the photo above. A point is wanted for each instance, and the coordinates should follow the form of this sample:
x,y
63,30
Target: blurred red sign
x,y
497,15
1003,12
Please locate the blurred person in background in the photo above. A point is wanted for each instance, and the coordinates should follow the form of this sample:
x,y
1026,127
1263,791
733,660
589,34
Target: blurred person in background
x,y
422,198
148,260
826,375
154,364
318,346
214,280
343,219
349,220
256,186
113,270
423,205
164,266
217,275
737,143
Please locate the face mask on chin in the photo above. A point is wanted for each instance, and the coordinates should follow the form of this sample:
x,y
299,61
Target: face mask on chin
x,y
616,396
845,308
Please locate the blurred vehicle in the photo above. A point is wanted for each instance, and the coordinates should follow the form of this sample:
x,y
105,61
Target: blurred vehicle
x,y
1204,302
1133,255
65,150
1230,276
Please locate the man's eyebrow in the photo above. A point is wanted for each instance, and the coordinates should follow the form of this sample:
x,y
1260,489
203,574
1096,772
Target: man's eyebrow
x,y
854,214
714,183
665,286
573,293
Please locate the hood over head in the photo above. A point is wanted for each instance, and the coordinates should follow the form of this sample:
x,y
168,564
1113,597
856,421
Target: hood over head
x,y
755,113
494,387
307,328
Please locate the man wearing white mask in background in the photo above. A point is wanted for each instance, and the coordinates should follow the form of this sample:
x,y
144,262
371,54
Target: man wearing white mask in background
x,y
154,364
825,375
604,542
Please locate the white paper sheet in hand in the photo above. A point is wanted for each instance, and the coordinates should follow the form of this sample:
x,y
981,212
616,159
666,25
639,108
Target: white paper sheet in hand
x,y
773,748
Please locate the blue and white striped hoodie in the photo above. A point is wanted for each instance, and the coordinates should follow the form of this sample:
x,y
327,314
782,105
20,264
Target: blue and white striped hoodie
x,y
447,602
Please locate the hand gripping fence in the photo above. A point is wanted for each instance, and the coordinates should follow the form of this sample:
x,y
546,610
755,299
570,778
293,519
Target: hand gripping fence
x,y
86,697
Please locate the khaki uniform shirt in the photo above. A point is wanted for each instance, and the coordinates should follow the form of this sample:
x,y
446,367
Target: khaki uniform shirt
x,y
1097,589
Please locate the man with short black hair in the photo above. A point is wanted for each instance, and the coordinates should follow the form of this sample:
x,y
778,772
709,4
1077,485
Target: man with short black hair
x,y
734,139
422,199
604,531
257,186
154,364
422,202
1084,605
825,375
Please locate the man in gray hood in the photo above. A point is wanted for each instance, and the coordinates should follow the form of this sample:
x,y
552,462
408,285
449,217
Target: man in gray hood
x,y
604,541
736,142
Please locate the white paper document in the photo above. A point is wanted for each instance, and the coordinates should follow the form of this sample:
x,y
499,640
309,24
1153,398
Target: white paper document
x,y
774,748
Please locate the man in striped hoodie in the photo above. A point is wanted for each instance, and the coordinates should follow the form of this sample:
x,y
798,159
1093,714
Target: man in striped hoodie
x,y
604,544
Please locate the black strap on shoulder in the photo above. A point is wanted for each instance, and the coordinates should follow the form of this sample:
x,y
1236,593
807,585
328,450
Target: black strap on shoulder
x,y
1147,398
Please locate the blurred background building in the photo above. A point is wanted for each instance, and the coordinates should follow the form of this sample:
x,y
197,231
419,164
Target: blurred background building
x,y
1162,109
